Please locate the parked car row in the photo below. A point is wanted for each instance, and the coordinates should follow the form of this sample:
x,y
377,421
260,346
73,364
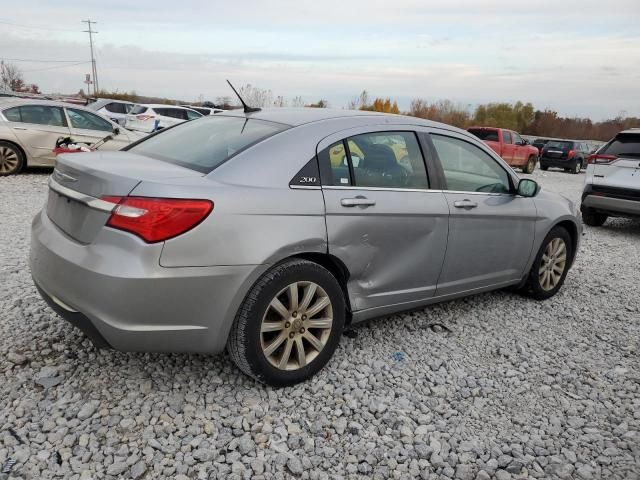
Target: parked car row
x,y
29,130
570,155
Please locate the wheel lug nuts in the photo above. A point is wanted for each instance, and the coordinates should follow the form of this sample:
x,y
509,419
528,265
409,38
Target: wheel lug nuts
x,y
291,335
302,330
294,314
287,325
304,317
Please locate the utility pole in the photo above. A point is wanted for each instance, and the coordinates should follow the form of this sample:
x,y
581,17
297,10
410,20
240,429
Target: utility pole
x,y
93,59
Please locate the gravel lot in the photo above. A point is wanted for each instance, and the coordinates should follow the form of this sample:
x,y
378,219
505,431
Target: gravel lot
x,y
492,386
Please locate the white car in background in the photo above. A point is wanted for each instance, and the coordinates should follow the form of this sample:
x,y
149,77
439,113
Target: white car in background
x,y
115,110
612,185
152,117
29,130
204,110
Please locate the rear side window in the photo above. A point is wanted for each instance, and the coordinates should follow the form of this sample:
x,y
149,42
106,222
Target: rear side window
x,y
37,114
191,115
138,109
380,159
623,144
115,107
204,145
485,134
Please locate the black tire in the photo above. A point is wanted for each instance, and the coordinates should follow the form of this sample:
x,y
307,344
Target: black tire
x,y
11,159
577,168
531,165
244,342
544,167
533,285
594,219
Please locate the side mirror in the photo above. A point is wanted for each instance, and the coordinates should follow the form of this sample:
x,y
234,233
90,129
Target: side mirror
x,y
528,188
116,130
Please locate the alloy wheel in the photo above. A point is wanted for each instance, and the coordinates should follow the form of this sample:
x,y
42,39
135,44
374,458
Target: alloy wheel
x,y
8,159
296,326
553,264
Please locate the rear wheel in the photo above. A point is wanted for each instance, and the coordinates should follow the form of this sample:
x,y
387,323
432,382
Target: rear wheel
x,y
577,168
531,165
594,219
544,167
551,265
289,324
11,159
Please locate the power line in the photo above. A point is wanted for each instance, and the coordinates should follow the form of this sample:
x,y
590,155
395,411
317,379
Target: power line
x,y
57,66
96,89
38,60
33,27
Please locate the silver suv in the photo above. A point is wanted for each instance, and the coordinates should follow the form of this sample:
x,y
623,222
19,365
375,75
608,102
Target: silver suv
x,y
268,232
612,185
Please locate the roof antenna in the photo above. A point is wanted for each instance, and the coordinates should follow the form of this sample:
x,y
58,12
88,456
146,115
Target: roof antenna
x,y
247,108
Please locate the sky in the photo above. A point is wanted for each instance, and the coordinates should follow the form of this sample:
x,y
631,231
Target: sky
x,y
579,58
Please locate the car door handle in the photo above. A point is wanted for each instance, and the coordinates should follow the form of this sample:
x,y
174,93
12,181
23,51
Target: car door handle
x,y
19,128
357,202
468,204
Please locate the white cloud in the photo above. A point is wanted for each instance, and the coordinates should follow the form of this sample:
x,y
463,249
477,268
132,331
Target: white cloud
x,y
574,57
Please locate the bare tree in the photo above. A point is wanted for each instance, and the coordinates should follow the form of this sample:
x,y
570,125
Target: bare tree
x,y
297,102
280,101
359,102
11,77
256,97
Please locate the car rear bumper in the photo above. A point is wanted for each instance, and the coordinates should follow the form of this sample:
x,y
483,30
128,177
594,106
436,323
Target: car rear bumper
x,y
136,306
558,162
613,201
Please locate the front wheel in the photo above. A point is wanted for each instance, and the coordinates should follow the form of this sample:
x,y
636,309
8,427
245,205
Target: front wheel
x,y
289,324
551,265
594,219
530,166
544,167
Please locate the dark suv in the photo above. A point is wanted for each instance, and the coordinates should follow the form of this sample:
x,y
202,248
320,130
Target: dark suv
x,y
568,154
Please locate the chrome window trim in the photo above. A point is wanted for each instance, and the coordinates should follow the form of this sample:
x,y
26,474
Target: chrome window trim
x,y
305,187
89,201
384,189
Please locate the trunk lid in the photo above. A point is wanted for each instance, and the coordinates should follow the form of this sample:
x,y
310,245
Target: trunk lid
x,y
80,180
621,173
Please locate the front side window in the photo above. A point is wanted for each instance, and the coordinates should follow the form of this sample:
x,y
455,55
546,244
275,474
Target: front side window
x,y
191,115
467,168
137,109
37,114
88,121
204,145
517,139
380,159
506,137
115,107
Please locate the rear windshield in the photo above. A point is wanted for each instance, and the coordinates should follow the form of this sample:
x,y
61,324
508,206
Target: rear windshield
x,y
205,143
487,135
625,144
137,109
560,145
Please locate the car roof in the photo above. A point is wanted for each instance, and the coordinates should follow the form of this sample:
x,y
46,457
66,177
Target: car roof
x,y
101,102
5,102
630,131
299,116
162,105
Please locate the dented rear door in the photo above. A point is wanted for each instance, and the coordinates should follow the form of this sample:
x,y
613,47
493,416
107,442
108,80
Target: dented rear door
x,y
392,240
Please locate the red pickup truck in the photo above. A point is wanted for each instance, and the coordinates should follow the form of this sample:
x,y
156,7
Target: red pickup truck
x,y
509,145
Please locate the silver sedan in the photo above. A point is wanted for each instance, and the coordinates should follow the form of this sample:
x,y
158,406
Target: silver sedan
x,y
267,233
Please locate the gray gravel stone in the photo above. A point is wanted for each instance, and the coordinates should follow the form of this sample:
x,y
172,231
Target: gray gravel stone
x,y
511,387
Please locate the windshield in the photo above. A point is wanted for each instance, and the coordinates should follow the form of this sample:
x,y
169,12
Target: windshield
x,y
561,145
624,144
205,143
485,134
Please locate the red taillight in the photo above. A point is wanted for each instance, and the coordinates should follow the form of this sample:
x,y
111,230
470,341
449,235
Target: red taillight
x,y
571,153
601,159
145,117
157,219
